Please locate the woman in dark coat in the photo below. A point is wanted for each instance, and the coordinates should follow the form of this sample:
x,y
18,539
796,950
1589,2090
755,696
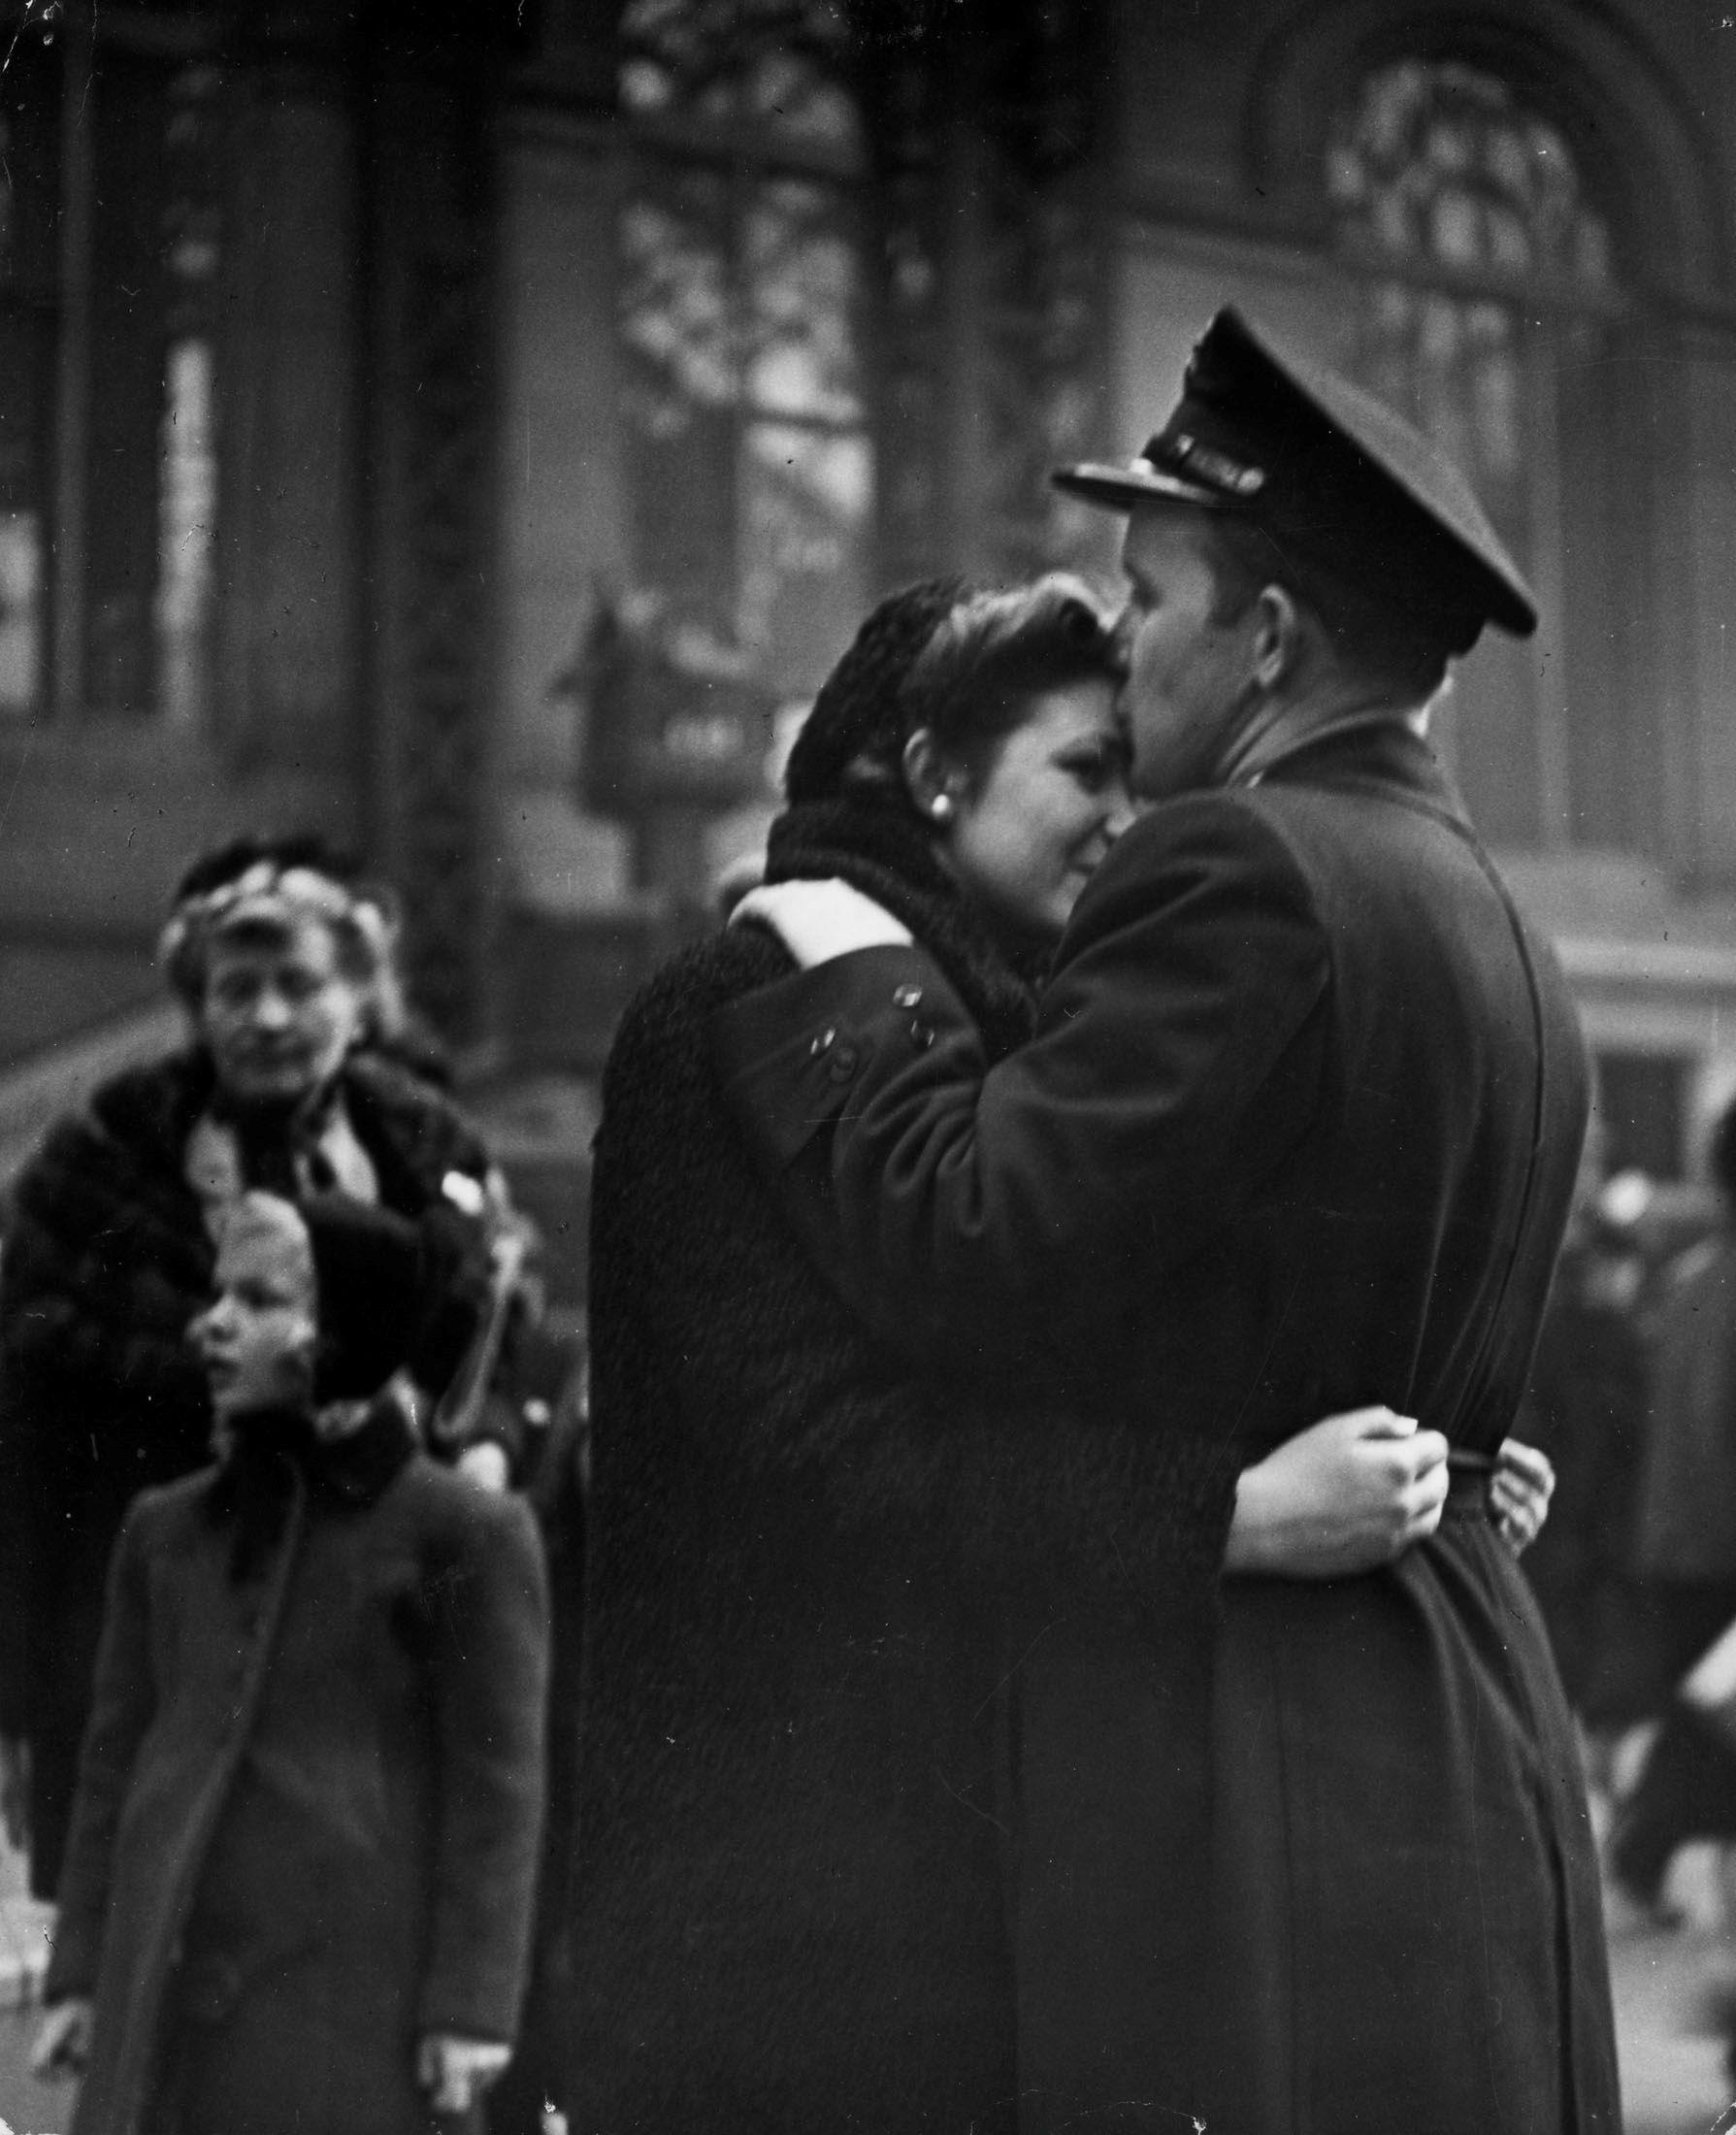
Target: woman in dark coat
x,y
298,1887
111,1243
785,1909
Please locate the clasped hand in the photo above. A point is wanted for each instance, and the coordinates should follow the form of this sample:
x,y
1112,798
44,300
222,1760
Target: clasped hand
x,y
1356,1490
455,2071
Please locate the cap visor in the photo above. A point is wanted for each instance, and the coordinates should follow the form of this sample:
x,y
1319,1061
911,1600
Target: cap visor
x,y
1121,488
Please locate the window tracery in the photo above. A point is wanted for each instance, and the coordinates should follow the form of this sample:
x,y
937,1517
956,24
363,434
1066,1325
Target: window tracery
x,y
1487,290
1438,170
111,161
740,308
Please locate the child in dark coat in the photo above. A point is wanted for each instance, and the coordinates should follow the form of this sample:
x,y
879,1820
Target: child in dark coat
x,y
300,1878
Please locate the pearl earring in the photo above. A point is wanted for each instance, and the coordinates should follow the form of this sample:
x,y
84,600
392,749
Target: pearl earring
x,y
940,807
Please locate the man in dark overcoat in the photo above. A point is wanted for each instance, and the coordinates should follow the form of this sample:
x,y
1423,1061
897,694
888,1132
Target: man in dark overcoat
x,y
1297,1130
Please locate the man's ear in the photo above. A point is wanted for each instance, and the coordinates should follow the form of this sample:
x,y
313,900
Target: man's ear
x,y
931,776
1277,638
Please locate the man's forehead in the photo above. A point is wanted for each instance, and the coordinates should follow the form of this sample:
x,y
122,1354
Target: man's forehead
x,y
1160,530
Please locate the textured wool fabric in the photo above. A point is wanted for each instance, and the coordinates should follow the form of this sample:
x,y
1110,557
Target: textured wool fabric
x,y
309,1797
786,1906
877,843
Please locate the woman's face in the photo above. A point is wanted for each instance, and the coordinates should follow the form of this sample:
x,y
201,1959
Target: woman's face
x,y
279,1015
1051,801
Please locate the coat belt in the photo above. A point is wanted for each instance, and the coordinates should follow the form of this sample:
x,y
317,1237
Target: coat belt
x,y
1467,1485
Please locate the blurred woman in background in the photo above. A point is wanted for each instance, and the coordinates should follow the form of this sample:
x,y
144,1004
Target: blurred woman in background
x,y
282,965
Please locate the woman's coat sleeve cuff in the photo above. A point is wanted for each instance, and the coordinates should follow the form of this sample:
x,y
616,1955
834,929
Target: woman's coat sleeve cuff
x,y
788,1055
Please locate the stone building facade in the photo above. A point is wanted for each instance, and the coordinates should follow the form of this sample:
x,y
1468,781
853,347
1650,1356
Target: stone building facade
x,y
357,353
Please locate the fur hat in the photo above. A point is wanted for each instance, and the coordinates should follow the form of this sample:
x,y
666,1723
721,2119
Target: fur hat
x,y
392,1292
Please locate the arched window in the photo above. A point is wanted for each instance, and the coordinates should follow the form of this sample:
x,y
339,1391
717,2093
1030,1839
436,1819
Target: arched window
x,y
740,300
1486,303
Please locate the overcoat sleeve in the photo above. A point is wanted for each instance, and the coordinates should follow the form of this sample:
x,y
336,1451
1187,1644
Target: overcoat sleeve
x,y
1177,1061
488,1673
122,1707
711,1327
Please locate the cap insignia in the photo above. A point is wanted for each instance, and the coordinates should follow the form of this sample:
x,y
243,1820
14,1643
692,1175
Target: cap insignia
x,y
1215,467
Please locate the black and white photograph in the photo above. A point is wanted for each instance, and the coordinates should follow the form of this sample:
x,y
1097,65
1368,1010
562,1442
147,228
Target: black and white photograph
x,y
867,1067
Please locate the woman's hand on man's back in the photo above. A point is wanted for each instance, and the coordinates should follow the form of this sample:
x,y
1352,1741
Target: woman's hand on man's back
x,y
1520,1490
62,2045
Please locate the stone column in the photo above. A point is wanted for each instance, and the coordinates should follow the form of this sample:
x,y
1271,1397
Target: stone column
x,y
429,398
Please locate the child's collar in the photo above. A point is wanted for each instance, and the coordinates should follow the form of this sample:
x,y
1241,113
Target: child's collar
x,y
354,1463
357,1464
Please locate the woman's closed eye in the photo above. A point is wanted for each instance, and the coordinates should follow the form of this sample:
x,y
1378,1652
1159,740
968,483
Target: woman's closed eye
x,y
1094,766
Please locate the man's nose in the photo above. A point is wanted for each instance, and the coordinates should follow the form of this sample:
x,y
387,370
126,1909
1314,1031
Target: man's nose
x,y
1122,812
271,1009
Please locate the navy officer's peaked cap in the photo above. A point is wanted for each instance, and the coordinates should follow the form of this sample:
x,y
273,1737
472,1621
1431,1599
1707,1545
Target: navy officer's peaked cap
x,y
1331,474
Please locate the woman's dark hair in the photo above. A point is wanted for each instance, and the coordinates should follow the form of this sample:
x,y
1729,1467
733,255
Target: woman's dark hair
x,y
975,677
857,716
959,661
1381,644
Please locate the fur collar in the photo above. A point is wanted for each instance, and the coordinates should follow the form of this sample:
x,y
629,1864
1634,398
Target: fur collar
x,y
880,849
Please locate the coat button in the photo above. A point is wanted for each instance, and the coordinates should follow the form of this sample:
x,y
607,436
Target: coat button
x,y
922,1036
821,1044
907,996
843,1064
